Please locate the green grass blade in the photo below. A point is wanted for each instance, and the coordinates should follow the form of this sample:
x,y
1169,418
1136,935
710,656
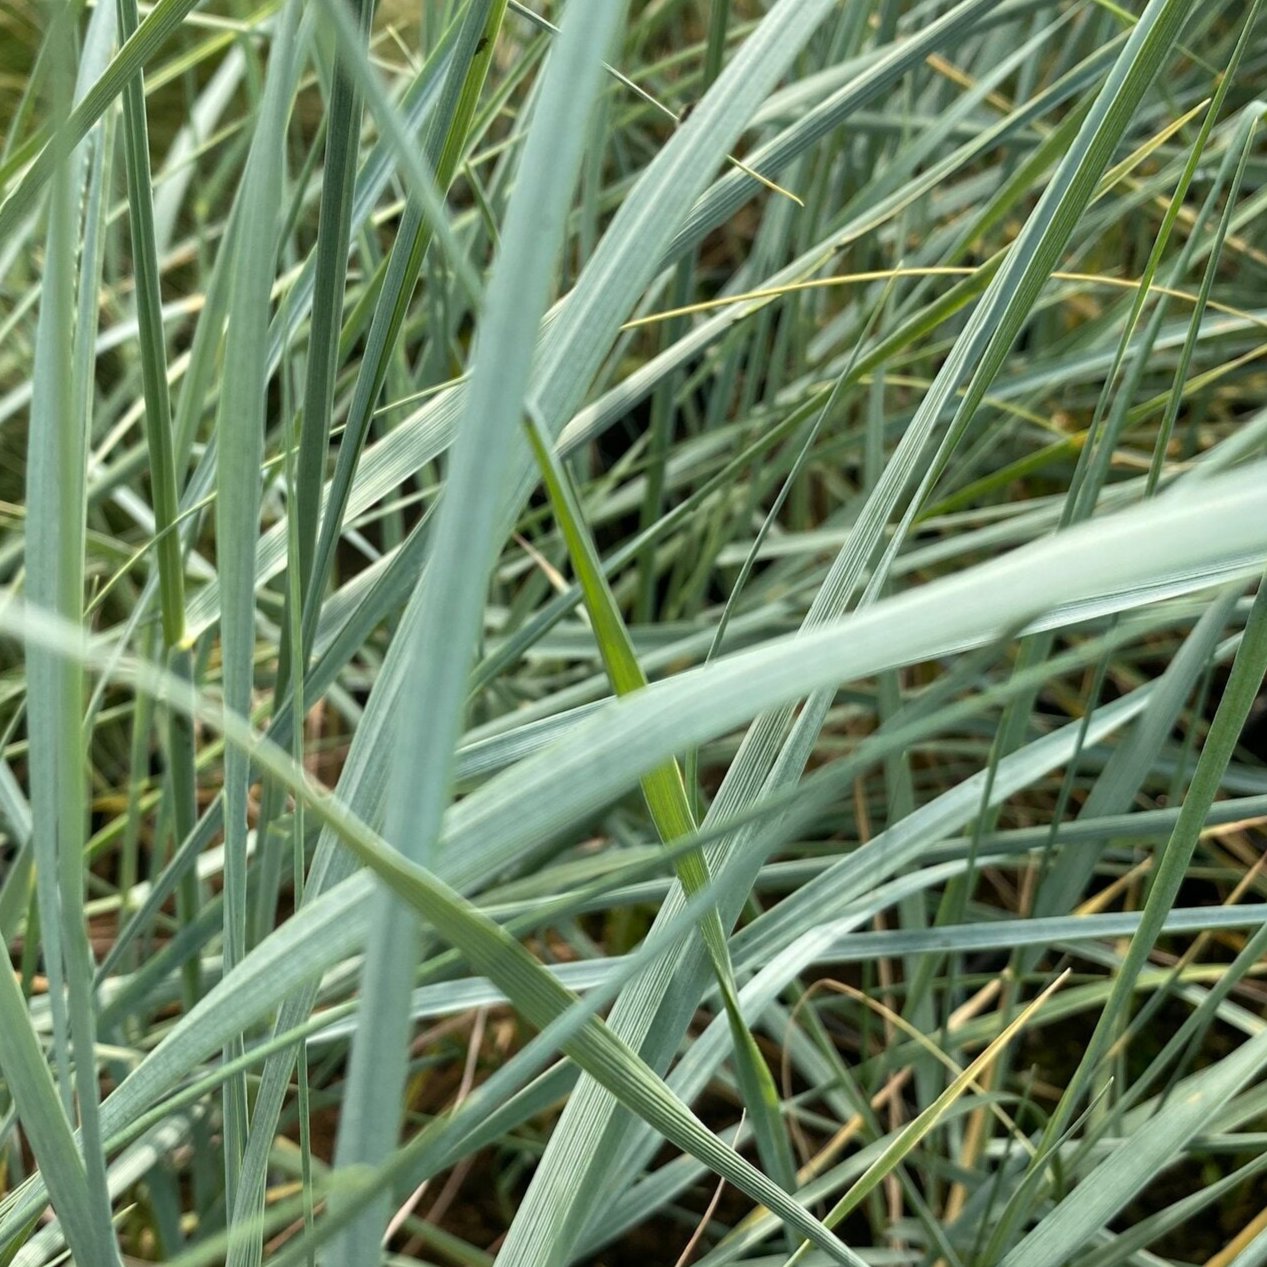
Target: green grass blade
x,y
240,435
158,419
422,181
669,804
55,583
461,554
329,281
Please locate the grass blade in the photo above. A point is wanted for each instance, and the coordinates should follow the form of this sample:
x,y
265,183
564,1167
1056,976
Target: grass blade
x,y
461,554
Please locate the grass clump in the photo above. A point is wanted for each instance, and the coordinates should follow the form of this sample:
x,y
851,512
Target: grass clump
x,y
632,633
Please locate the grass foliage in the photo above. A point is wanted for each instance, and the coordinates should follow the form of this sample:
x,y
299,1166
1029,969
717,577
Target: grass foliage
x,y
632,632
